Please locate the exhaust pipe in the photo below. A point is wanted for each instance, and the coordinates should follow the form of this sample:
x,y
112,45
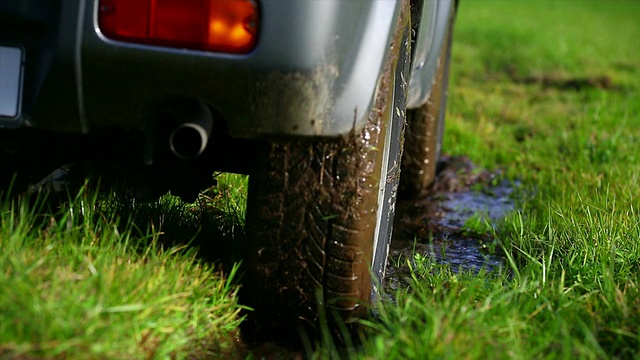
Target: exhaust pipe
x,y
189,138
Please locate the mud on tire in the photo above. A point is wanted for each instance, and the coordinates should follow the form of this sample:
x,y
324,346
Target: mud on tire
x,y
320,214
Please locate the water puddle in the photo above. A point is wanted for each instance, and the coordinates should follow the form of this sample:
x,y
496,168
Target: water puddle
x,y
493,202
452,224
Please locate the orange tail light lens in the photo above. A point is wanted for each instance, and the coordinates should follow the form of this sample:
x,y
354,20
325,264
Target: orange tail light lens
x,y
213,25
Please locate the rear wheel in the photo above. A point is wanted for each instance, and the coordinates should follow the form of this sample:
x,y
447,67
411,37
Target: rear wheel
x,y
320,215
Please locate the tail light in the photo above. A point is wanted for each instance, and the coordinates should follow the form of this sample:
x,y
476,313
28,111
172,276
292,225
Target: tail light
x,y
214,25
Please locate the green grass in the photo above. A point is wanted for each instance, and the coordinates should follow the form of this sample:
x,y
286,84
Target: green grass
x,y
546,91
570,286
80,282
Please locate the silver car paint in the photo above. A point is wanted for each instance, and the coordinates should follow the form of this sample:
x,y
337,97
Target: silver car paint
x,y
433,29
313,72
314,60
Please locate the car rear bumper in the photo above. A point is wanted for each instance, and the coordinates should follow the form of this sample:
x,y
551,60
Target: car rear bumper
x,y
313,72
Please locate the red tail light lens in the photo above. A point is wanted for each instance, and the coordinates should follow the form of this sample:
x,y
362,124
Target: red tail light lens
x,y
214,25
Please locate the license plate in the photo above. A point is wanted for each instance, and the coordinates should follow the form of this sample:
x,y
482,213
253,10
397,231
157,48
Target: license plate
x,y
10,81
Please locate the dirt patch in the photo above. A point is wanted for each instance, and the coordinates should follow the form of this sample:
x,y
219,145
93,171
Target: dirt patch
x,y
577,84
564,83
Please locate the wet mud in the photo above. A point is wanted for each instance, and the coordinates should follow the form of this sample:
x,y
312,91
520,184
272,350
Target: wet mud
x,y
451,224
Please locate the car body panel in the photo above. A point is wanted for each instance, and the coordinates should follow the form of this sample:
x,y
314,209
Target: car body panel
x,y
314,59
313,72
428,44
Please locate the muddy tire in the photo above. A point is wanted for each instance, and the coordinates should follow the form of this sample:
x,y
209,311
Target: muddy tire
x,y
425,129
320,214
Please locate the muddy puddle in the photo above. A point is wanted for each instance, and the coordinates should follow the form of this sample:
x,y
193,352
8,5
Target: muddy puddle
x,y
452,223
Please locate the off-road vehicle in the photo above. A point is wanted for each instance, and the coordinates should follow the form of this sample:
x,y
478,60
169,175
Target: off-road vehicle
x,y
314,99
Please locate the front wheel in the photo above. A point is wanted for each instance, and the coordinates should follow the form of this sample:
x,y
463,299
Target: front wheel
x,y
425,128
320,215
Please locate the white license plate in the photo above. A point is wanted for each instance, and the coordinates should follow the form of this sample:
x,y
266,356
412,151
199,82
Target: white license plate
x,y
10,81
